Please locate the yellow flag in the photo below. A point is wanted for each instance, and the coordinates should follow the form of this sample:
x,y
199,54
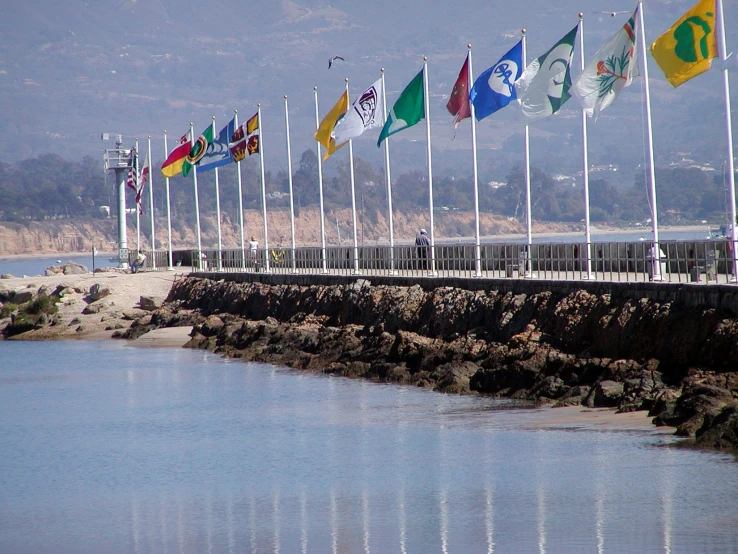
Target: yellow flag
x,y
687,49
323,134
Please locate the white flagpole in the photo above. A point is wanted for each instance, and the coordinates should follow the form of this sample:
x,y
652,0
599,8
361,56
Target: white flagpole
x,y
289,181
217,212
151,206
353,196
169,212
240,200
263,190
388,177
426,103
320,189
656,274
729,125
138,217
197,204
528,219
478,248
585,164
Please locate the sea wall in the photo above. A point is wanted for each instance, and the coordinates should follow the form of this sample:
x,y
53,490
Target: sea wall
x,y
672,350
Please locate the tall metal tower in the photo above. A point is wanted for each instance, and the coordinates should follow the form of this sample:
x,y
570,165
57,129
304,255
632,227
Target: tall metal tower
x,y
119,160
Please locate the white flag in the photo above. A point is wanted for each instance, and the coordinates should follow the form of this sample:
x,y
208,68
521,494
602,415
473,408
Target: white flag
x,y
367,112
544,86
611,70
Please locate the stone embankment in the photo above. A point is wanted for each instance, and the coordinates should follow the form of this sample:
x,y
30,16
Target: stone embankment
x,y
676,360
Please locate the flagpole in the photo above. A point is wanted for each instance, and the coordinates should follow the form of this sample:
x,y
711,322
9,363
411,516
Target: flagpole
x,y
528,219
729,125
585,163
217,210
289,181
656,261
388,177
240,200
169,212
138,218
263,189
320,189
151,206
353,198
477,246
430,166
197,204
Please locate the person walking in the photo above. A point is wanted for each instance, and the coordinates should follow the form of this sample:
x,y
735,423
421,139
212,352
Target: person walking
x,y
423,244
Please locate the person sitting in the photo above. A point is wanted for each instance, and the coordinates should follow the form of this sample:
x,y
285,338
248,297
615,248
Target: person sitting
x,y
138,262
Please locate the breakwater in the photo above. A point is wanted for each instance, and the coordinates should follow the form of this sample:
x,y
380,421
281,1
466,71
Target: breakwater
x,y
669,349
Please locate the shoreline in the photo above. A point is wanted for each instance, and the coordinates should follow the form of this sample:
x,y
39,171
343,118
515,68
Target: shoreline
x,y
122,307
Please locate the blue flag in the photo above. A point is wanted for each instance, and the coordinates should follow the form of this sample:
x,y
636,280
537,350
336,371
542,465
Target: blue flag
x,y
218,153
494,88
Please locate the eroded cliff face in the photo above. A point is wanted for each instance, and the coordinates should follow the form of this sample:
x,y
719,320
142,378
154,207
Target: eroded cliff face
x,y
579,348
44,237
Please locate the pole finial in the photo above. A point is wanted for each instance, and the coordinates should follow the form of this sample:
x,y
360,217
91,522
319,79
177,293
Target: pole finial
x,y
381,70
425,58
469,46
235,111
581,16
285,97
522,31
258,105
345,79
213,118
315,89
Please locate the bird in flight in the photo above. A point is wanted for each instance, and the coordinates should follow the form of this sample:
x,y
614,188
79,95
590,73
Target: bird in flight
x,y
613,14
333,59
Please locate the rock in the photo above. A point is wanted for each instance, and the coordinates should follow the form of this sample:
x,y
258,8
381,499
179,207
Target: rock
x,y
454,377
6,276
133,314
722,430
6,295
608,394
697,406
95,308
149,303
23,296
46,290
72,268
64,290
53,270
98,291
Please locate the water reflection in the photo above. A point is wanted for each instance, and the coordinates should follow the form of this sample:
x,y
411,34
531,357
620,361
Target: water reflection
x,y
178,451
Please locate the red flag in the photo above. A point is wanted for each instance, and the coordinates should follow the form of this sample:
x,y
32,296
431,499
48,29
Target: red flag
x,y
174,162
458,104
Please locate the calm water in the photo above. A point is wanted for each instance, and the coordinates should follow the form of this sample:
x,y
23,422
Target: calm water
x,y
37,266
111,448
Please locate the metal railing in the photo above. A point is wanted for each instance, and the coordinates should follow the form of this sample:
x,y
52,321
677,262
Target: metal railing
x,y
708,261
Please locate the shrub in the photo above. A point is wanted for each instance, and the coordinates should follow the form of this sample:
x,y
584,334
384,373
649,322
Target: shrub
x,y
44,304
7,309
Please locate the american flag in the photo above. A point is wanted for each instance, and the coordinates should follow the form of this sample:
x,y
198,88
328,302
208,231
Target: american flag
x,y
132,180
144,175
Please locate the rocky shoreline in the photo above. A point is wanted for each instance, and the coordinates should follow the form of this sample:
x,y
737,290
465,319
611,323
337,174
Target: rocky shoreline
x,y
677,362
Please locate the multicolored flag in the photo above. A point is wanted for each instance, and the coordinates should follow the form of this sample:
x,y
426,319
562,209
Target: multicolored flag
x,y
687,48
173,164
218,152
143,178
610,71
132,178
325,130
458,104
245,139
408,110
198,150
544,86
365,113
495,87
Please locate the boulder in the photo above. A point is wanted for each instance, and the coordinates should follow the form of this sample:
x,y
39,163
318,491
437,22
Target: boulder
x,y
133,314
6,295
23,296
608,393
94,308
149,303
72,268
6,276
98,291
46,290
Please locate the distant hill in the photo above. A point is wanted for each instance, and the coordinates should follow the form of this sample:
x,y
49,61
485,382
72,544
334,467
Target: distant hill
x,y
137,68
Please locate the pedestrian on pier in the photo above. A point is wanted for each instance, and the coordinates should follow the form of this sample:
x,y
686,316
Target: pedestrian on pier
x,y
423,244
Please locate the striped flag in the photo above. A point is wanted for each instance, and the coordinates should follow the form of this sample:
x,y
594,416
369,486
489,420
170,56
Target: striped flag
x,y
131,180
143,177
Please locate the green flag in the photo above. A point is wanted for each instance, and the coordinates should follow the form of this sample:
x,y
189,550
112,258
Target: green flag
x,y
407,111
198,149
